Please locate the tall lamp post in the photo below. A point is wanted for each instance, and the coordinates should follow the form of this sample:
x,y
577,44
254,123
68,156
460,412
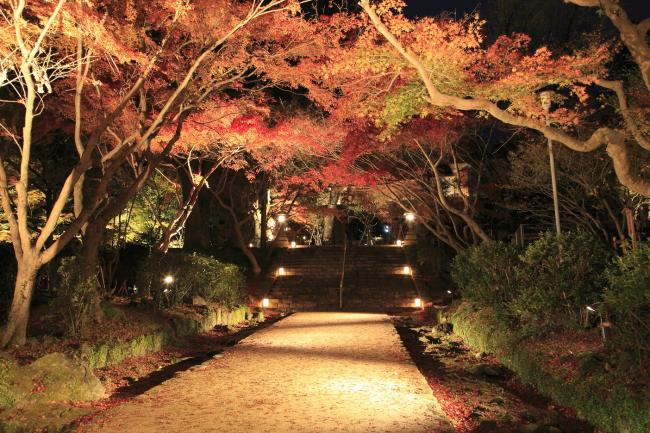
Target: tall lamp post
x,y
281,240
545,98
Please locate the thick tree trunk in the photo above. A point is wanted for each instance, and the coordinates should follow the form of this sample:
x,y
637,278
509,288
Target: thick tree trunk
x,y
328,227
264,206
15,333
197,232
92,242
255,266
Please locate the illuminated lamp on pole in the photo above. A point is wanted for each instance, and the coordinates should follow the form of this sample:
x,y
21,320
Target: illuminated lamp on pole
x,y
281,240
410,235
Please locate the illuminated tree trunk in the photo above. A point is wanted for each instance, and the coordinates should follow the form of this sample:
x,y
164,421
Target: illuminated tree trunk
x,y
186,210
264,211
328,219
15,333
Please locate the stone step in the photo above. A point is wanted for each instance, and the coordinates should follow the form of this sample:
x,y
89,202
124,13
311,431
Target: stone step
x,y
373,279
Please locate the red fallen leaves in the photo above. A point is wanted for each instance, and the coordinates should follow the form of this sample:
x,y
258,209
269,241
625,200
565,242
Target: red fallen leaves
x,y
38,385
454,406
99,408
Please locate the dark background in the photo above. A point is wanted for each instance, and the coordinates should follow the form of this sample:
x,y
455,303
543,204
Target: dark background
x,y
553,23
638,9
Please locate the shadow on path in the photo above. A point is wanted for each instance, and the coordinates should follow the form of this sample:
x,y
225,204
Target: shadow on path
x,y
220,343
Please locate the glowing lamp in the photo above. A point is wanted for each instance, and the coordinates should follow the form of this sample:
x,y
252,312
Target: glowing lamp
x,y
409,216
449,291
168,279
281,271
250,245
546,99
418,302
406,270
265,302
398,243
589,308
282,218
293,244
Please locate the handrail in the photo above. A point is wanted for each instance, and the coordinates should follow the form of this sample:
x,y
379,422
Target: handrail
x,y
412,274
345,250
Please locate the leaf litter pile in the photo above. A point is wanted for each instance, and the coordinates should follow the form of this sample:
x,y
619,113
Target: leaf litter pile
x,y
478,394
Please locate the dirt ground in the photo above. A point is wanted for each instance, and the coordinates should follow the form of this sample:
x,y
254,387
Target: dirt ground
x,y
311,372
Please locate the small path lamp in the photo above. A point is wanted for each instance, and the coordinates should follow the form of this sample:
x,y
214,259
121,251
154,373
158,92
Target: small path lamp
x,y
168,280
591,310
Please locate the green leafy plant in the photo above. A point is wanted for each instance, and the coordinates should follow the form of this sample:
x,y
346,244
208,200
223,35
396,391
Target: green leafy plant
x,y
177,277
627,301
76,295
487,275
559,276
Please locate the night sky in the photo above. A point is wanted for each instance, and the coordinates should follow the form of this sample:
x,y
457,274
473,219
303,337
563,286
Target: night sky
x,y
638,9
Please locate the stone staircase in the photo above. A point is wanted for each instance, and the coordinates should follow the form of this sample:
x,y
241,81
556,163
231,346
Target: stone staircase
x,y
374,279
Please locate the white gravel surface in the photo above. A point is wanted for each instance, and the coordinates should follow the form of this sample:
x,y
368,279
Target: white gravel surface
x,y
310,372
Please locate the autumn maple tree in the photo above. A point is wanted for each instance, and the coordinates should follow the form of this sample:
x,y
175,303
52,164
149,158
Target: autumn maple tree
x,y
441,66
128,84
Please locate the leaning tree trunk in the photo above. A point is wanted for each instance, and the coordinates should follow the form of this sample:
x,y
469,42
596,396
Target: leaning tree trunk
x,y
264,206
16,332
244,248
92,242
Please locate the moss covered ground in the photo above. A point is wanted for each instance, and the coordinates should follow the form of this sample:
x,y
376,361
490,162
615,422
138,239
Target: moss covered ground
x,y
574,369
43,384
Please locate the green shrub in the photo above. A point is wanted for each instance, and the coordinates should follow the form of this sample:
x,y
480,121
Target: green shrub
x,y
627,300
76,295
487,275
432,260
559,277
193,275
613,408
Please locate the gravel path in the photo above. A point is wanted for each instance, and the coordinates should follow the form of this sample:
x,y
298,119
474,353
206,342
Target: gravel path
x,y
311,372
